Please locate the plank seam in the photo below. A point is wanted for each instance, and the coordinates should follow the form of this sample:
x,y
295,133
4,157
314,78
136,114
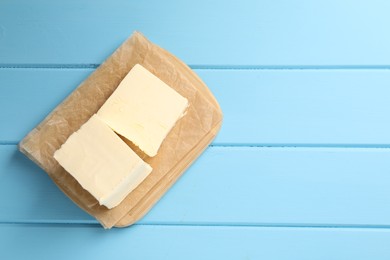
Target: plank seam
x,y
291,67
49,66
8,143
296,145
249,145
209,67
226,225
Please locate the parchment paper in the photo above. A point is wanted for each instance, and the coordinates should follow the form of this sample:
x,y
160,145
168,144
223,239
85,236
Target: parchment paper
x,y
190,136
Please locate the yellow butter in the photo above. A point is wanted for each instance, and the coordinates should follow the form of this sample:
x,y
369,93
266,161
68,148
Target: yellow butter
x,y
102,163
143,109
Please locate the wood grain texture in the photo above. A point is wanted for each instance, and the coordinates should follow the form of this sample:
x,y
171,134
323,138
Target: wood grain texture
x,y
230,186
291,73
179,242
260,33
261,107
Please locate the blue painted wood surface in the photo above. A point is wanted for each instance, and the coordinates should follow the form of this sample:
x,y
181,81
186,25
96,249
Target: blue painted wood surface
x,y
232,186
192,242
202,32
300,169
262,107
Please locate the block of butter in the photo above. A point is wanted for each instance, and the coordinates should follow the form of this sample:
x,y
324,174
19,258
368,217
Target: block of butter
x,y
143,109
102,163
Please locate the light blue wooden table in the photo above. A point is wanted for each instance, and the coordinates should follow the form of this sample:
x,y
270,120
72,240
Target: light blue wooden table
x,y
300,169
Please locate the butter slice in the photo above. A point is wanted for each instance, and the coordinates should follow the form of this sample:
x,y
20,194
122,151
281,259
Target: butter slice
x,y
143,109
102,163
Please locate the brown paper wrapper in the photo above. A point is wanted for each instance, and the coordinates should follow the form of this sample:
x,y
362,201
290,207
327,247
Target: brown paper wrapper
x,y
190,136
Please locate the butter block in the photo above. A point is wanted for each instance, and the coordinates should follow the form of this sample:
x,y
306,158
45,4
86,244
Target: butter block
x,y
102,163
143,109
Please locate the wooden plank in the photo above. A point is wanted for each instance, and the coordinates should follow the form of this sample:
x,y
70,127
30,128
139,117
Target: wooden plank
x,y
262,107
231,185
259,33
189,242
29,194
27,96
